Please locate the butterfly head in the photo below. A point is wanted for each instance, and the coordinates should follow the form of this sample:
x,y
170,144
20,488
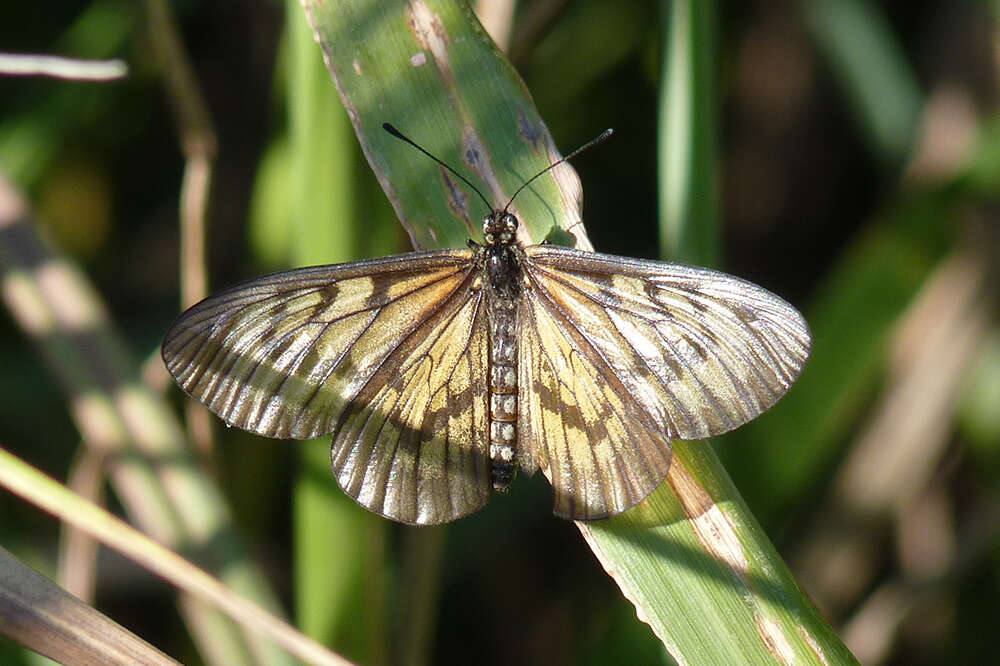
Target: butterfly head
x,y
499,228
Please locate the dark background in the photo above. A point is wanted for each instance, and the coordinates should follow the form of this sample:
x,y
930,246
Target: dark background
x,y
815,205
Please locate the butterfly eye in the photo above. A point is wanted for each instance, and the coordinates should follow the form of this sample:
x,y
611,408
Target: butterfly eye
x,y
509,223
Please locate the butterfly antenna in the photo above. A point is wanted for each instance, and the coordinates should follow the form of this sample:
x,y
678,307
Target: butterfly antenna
x,y
399,135
590,144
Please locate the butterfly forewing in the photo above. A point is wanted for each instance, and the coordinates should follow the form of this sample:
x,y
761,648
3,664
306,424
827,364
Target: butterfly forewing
x,y
626,354
702,351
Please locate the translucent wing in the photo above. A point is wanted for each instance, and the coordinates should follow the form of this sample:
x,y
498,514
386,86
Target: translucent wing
x,y
413,444
388,355
618,356
579,423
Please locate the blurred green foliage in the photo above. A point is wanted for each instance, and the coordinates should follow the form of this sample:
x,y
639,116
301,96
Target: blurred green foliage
x,y
857,153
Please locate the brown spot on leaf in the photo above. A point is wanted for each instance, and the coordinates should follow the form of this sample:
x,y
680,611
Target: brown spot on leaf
x,y
426,26
532,133
458,200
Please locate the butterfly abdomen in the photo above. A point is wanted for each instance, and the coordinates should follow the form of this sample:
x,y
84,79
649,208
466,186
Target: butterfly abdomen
x,y
503,390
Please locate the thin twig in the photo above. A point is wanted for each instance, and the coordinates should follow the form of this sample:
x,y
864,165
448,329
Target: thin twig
x,y
77,549
198,142
27,64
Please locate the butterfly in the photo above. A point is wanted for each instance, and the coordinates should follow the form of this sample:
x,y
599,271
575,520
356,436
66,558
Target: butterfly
x,y
438,373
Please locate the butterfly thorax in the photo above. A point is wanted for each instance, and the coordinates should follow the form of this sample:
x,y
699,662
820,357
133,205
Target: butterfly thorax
x,y
500,253
500,260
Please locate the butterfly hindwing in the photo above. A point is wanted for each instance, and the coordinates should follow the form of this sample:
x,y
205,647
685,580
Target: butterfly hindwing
x,y
412,444
593,441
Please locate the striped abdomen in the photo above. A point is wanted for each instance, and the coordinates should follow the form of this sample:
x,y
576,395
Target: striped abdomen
x,y
503,389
